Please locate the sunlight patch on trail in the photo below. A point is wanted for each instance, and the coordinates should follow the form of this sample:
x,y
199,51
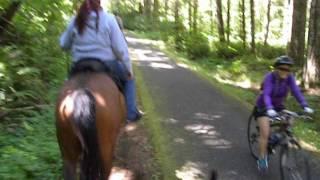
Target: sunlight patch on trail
x,y
204,116
199,128
179,140
171,121
161,65
218,143
147,55
209,136
246,84
190,171
183,65
133,40
118,173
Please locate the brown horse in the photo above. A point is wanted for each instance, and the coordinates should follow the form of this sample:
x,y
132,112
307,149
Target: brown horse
x,y
89,113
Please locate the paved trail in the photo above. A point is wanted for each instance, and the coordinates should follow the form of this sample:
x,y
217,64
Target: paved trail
x,y
208,130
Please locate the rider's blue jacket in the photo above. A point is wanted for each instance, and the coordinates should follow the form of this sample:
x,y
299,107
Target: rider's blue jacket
x,y
106,43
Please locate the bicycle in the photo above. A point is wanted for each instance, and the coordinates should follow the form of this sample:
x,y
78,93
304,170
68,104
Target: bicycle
x,y
294,164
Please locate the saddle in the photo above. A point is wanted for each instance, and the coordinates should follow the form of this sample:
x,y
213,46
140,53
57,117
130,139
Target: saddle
x,y
96,66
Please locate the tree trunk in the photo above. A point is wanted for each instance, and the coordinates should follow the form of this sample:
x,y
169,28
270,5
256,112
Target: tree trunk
x,y
156,7
297,44
252,17
7,15
190,15
178,25
311,73
166,7
288,10
268,24
228,20
147,8
220,21
211,17
176,11
195,15
243,33
141,9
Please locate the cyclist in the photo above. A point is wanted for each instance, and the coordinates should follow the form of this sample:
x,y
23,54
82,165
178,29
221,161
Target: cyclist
x,y
275,88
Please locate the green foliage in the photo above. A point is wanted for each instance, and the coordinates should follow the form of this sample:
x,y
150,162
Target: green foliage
x,y
30,57
131,17
28,150
31,64
166,30
270,52
197,45
233,50
229,51
134,21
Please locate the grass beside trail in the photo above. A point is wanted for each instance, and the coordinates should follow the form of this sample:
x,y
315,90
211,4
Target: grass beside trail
x,y
28,147
241,78
158,136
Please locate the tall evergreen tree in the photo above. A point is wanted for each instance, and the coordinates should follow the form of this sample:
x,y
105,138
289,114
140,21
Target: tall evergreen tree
x,y
252,17
195,15
243,33
312,66
266,35
228,20
296,45
220,21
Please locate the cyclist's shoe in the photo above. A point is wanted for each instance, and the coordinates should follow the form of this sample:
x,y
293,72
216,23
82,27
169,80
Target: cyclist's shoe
x,y
262,164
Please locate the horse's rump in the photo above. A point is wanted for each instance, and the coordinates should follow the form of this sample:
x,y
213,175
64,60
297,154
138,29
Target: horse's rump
x,y
89,112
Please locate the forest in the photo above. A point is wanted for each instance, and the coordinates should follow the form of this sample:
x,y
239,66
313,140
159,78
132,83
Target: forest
x,y
234,42
225,29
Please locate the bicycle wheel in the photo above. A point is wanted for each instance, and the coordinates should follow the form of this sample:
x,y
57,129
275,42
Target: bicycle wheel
x,y
253,136
294,164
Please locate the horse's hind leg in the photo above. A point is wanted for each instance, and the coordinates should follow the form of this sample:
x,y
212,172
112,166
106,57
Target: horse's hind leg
x,y
70,149
69,170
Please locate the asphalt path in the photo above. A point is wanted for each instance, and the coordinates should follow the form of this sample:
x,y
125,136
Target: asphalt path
x,y
207,128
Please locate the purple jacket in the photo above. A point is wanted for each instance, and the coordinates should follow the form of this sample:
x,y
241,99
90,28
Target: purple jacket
x,y
275,91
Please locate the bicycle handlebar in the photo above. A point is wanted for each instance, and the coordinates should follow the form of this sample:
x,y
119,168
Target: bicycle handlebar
x,y
285,114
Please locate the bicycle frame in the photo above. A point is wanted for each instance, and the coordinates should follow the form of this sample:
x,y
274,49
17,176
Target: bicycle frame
x,y
284,122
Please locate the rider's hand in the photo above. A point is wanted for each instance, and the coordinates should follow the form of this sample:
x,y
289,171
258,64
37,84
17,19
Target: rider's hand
x,y
271,113
308,110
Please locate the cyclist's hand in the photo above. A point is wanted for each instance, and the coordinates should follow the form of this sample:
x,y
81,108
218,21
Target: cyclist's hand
x,y
271,113
308,110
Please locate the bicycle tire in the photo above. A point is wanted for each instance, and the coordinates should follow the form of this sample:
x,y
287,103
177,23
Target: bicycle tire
x,y
294,164
253,136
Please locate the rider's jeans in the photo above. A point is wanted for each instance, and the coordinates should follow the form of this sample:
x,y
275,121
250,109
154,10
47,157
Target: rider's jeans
x,y
129,87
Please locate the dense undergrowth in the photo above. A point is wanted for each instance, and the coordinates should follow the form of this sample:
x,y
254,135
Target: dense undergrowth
x,y
29,149
32,66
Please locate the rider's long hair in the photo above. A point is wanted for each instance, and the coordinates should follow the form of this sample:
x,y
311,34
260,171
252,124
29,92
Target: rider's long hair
x,y
82,16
